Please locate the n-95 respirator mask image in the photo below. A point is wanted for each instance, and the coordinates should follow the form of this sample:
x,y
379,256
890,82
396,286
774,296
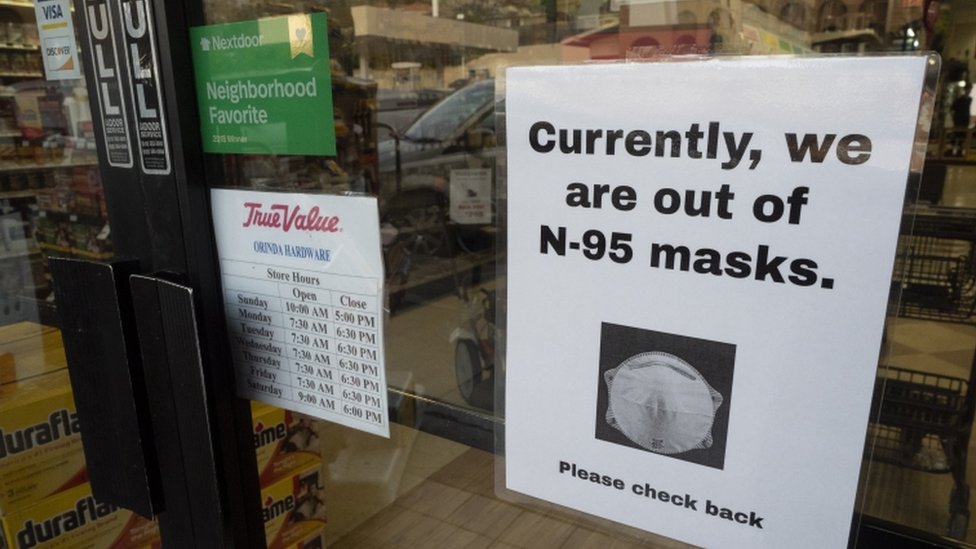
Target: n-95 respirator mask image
x,y
661,403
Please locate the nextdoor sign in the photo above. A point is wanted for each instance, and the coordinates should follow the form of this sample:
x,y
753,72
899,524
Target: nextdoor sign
x,y
125,60
264,86
723,269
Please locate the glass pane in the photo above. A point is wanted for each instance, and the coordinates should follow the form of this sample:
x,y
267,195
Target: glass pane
x,y
419,124
51,204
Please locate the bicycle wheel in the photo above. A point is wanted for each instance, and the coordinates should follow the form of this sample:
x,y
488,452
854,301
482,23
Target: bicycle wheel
x,y
469,370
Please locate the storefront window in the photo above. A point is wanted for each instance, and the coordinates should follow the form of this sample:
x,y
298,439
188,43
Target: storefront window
x,y
52,204
419,122
417,91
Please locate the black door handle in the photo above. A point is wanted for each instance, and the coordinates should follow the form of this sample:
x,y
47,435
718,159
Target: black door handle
x,y
136,368
173,367
100,343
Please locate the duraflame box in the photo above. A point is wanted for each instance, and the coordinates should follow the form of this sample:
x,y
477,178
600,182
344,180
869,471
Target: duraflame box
x,y
284,441
75,519
315,541
28,349
40,441
294,509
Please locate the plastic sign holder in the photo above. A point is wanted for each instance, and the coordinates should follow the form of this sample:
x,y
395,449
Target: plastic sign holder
x,y
698,277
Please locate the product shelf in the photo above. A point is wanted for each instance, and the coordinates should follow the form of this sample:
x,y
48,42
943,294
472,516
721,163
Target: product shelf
x,y
71,217
54,248
16,4
21,74
18,47
11,168
17,194
16,254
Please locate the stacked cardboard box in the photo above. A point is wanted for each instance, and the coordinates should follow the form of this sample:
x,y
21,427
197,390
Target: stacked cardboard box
x,y
74,518
45,499
289,465
40,440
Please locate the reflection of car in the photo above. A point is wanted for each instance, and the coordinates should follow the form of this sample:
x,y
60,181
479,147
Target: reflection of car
x,y
415,165
398,108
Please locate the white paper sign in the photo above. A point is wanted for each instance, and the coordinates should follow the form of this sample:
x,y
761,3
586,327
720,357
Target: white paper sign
x,y
57,36
698,278
471,196
303,291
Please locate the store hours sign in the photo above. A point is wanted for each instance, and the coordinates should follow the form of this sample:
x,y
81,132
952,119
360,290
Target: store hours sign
x,y
303,294
698,276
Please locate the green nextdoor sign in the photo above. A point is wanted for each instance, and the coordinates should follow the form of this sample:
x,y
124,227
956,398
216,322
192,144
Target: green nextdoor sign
x,y
264,87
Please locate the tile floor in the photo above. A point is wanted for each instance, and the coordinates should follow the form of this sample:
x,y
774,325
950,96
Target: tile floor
x,y
457,507
417,490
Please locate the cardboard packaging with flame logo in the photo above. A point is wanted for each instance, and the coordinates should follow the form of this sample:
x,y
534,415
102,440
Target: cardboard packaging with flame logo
x,y
284,441
74,518
40,441
294,509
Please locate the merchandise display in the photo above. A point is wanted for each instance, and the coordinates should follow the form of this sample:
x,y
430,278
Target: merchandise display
x,y
40,441
294,508
51,200
29,350
289,466
284,441
74,518
487,274
45,497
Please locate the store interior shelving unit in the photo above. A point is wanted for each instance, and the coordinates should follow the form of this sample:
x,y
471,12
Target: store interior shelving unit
x,y
51,201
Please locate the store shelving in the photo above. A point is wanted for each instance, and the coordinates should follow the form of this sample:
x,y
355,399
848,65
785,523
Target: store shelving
x,y
17,254
19,47
17,194
52,166
48,167
15,4
72,217
21,74
72,251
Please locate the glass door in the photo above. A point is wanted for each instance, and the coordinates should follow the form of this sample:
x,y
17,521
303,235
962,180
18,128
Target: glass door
x,y
394,432
52,204
419,123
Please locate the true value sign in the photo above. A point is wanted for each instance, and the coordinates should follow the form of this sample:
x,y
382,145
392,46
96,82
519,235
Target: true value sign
x,y
125,61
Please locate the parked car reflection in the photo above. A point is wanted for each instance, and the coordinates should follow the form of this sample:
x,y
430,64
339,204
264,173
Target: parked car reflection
x,y
415,167
399,108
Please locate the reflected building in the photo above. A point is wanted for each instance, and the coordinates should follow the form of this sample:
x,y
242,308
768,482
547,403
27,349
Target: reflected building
x,y
450,42
649,29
